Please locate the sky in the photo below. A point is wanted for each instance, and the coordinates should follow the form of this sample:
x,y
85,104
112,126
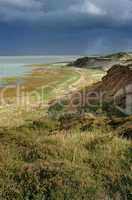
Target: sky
x,y
65,27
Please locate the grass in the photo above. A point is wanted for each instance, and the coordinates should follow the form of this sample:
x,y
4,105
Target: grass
x,y
42,86
67,165
46,83
52,78
63,155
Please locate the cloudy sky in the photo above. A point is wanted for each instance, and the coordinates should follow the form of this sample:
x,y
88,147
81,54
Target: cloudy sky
x,y
67,27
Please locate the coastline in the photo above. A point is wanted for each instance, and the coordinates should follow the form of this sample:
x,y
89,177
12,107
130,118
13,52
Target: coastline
x,y
56,81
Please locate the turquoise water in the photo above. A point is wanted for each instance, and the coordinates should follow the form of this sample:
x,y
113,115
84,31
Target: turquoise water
x,y
15,65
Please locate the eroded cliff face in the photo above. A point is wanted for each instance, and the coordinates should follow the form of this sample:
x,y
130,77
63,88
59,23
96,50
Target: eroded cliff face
x,y
119,77
114,89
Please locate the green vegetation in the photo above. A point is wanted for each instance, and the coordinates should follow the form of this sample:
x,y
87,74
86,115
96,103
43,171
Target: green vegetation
x,y
61,153
57,159
47,77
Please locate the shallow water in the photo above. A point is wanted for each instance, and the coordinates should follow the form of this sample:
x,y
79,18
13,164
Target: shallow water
x,y
15,65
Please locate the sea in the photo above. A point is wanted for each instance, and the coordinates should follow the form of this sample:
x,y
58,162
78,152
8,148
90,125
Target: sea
x,y
11,66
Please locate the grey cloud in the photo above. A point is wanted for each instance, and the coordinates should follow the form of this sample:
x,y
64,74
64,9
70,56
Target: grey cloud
x,y
42,10
20,3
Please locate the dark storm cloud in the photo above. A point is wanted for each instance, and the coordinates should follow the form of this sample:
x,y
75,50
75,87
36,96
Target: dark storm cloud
x,y
65,26
66,10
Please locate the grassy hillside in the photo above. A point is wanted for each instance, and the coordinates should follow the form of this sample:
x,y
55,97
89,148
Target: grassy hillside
x,y
103,62
57,154
49,159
